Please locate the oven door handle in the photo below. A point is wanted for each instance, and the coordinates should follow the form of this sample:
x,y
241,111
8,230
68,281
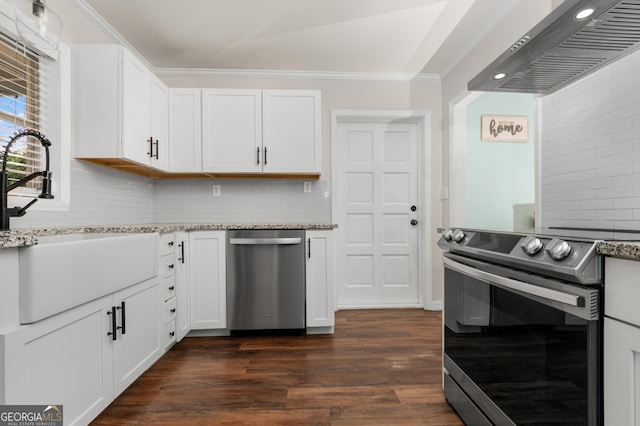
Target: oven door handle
x,y
508,283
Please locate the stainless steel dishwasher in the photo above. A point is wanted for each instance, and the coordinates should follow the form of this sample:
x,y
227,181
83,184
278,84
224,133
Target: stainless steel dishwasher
x,y
266,280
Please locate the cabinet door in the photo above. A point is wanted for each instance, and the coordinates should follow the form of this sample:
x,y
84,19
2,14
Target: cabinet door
x,y
621,373
183,322
320,282
291,131
137,345
232,131
207,280
158,122
135,98
65,359
185,130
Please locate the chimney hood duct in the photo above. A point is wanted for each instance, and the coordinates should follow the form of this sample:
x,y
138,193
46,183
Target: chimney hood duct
x,y
562,49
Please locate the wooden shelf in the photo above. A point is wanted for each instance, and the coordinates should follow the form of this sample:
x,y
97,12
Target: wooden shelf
x,y
138,169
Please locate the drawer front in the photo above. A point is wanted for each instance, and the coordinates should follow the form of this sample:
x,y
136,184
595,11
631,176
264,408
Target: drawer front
x,y
622,290
166,244
169,310
169,334
168,265
168,288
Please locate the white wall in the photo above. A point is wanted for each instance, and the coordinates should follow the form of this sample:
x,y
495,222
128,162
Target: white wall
x,y
591,150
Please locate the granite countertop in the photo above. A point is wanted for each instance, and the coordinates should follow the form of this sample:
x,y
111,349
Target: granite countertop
x,y
622,249
28,237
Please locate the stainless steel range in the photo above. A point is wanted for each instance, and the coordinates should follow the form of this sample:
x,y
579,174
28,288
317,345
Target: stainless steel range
x,y
522,328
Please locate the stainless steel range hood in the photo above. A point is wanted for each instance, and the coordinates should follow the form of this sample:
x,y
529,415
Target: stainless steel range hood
x,y
562,48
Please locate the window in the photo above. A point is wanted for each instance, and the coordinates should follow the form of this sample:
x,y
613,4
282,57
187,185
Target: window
x,y
20,90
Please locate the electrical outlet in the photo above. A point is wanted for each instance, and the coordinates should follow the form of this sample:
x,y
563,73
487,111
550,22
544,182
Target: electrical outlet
x,y
216,190
307,187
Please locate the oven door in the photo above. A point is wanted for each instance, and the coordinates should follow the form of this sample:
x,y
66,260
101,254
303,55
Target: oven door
x,y
520,348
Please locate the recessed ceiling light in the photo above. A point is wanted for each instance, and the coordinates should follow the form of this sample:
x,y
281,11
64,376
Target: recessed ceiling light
x,y
499,76
585,13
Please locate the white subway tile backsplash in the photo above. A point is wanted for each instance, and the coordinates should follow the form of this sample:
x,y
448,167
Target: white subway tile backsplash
x,y
590,136
103,196
619,214
616,192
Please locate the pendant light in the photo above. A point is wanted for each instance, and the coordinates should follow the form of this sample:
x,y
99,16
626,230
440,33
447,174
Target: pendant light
x,y
39,25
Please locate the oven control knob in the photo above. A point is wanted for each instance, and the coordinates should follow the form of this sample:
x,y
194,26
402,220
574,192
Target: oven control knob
x,y
558,249
531,245
458,235
447,234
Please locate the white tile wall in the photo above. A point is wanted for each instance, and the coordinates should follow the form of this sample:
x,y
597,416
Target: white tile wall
x,y
99,196
242,201
590,150
103,196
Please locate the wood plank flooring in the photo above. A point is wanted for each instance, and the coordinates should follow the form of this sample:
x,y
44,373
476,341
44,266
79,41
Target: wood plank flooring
x,y
381,367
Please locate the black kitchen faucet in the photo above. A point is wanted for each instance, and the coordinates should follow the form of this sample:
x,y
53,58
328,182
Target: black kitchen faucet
x,y
5,188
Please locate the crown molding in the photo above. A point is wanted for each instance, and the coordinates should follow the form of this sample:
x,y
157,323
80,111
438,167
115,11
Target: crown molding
x,y
290,74
106,28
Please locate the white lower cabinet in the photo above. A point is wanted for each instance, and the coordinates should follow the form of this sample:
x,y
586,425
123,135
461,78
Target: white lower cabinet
x,y
320,283
168,293
71,359
621,373
207,280
137,345
181,278
621,343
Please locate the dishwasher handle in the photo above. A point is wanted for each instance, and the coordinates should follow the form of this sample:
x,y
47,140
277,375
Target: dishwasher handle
x,y
264,241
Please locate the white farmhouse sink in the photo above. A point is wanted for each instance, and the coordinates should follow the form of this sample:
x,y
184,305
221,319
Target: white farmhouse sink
x,y
64,271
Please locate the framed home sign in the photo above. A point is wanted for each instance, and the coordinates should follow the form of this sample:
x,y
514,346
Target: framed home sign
x,y
505,128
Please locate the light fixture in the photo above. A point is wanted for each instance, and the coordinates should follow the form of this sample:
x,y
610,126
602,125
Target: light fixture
x,y
499,76
39,25
584,13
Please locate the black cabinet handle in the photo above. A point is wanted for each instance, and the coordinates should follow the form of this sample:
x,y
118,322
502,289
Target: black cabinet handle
x,y
170,243
173,333
123,316
173,311
309,253
265,155
157,148
181,258
112,333
258,156
150,153
171,288
171,266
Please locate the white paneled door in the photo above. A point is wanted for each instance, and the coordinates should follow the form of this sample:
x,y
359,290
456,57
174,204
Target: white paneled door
x,y
378,228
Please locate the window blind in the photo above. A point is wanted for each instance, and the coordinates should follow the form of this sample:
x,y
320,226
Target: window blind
x,y
20,88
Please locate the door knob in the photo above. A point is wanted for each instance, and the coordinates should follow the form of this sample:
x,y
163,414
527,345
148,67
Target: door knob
x,y
414,222
414,208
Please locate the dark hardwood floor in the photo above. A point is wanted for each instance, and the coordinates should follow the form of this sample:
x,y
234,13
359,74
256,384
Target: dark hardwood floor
x,y
380,367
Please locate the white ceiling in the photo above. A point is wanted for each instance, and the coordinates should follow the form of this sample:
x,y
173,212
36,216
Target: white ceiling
x,y
328,36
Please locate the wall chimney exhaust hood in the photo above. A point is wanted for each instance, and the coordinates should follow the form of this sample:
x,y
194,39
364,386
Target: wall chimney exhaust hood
x,y
575,39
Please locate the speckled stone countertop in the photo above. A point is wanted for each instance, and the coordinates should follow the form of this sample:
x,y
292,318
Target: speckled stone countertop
x,y
622,249
28,237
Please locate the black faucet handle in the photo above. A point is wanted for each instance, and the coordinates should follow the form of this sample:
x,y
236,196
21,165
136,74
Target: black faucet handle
x,y
21,211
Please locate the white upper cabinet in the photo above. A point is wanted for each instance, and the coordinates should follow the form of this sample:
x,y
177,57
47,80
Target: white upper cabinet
x,y
120,108
261,131
158,122
232,131
185,130
291,131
